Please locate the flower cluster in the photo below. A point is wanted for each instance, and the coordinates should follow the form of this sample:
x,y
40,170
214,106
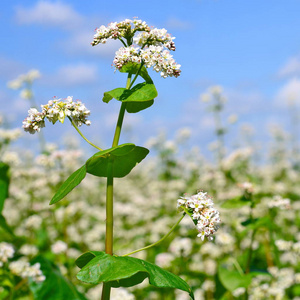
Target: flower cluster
x,y
161,60
56,110
23,269
153,56
279,202
155,37
116,30
6,252
201,209
149,49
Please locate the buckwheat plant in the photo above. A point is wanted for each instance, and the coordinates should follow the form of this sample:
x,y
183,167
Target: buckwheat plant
x,y
142,48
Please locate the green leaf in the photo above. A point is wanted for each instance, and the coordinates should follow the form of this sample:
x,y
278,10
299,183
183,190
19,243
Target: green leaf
x,y
116,93
128,271
140,92
134,107
5,226
232,280
86,257
69,184
257,223
133,68
236,202
55,286
125,157
4,183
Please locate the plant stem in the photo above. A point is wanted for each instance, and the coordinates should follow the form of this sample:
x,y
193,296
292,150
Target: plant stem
x,y
162,239
136,75
109,194
250,251
121,116
78,130
109,209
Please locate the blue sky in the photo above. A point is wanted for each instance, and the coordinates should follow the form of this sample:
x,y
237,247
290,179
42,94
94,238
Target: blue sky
x,y
251,48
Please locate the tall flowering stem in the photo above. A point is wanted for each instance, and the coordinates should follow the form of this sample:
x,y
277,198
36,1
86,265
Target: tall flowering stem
x,y
149,48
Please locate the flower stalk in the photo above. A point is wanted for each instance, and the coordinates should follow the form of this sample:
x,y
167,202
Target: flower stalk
x,y
158,242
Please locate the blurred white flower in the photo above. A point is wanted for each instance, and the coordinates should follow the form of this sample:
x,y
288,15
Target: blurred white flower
x,y
59,247
6,251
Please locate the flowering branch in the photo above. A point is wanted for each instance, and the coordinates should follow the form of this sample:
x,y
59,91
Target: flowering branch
x,y
158,242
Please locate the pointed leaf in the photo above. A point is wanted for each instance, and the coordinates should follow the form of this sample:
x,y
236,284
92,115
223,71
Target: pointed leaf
x,y
69,184
4,183
133,68
55,286
116,93
125,157
128,271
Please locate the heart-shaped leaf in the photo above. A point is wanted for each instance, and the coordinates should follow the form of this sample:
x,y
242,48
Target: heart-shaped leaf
x,y
69,184
126,271
55,286
124,157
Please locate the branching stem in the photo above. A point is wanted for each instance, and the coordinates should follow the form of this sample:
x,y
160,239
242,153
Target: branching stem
x,y
78,130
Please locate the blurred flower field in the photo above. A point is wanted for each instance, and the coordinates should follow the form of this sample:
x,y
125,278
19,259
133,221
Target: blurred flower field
x,y
254,255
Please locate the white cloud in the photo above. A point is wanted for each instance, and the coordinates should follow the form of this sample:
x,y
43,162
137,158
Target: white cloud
x,y
289,92
291,68
73,75
49,14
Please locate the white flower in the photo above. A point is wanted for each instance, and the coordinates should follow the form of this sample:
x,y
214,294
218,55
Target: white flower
x,y
59,247
279,202
246,186
125,29
156,37
164,260
23,269
201,208
283,245
6,251
56,110
33,222
34,122
149,49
